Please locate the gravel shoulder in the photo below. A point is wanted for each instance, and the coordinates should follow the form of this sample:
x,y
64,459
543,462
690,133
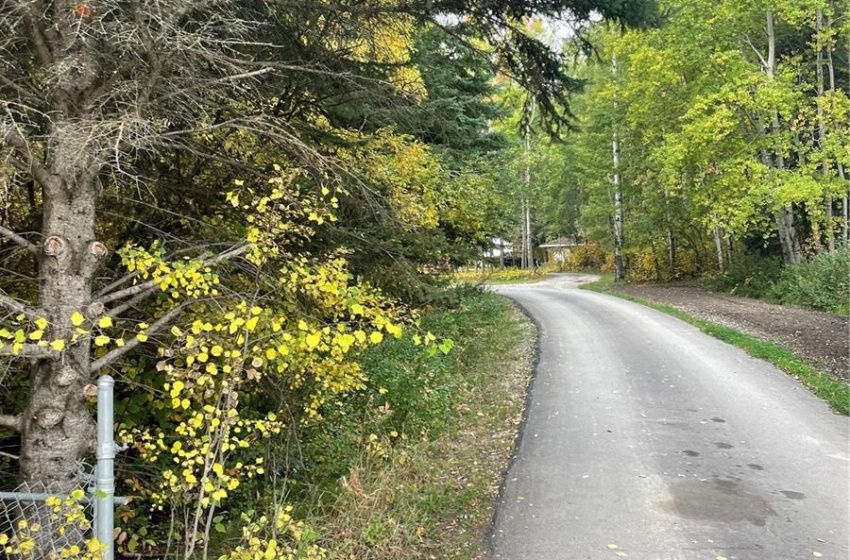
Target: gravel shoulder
x,y
819,338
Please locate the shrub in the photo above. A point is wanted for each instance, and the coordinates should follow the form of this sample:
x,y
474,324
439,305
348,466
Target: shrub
x,y
820,282
749,275
495,275
588,256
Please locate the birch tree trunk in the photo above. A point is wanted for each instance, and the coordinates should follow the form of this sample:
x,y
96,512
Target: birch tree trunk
x,y
845,202
718,247
785,214
619,263
530,244
819,29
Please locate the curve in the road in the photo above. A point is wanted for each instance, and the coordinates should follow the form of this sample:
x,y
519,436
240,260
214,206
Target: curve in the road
x,y
645,438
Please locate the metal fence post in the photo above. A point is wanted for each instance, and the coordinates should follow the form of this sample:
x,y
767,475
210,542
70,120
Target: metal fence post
x,y
104,509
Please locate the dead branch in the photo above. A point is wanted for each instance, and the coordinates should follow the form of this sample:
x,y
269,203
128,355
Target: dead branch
x,y
16,306
21,241
116,311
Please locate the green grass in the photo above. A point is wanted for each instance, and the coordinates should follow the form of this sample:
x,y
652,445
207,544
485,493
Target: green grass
x,y
833,391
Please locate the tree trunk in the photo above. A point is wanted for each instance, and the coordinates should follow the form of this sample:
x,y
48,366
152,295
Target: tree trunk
x,y
830,233
830,65
718,246
619,263
524,236
785,214
528,250
671,254
529,247
56,428
728,251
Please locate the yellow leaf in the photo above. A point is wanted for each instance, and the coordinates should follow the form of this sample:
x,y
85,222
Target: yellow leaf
x,y
101,340
58,345
314,339
613,546
77,319
142,337
105,322
251,323
41,323
36,335
376,337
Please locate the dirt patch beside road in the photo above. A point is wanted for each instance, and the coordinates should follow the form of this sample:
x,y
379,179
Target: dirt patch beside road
x,y
819,338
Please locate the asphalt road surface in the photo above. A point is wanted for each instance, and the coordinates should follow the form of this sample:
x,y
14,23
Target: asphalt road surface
x,y
646,439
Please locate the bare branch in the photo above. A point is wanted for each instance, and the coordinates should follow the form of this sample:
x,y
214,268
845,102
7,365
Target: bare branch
x,y
10,422
119,309
155,327
12,236
748,41
15,306
13,137
127,292
123,280
9,456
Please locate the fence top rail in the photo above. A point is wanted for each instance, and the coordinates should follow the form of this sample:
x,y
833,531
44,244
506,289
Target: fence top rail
x,y
43,496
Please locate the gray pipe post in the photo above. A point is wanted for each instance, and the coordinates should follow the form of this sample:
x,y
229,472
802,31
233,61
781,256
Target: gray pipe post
x,y
104,504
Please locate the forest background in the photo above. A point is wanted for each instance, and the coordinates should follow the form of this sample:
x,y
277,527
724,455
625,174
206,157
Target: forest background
x,y
237,209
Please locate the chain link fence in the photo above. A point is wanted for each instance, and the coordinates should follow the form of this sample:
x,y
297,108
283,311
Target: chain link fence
x,y
43,522
39,521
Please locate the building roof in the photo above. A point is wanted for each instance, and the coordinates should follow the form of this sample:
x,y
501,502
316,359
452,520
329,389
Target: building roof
x,y
560,242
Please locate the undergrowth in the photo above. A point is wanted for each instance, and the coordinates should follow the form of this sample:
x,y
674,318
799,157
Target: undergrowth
x,y
820,281
411,470
834,392
497,276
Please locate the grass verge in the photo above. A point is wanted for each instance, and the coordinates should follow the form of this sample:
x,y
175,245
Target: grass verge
x,y
834,392
431,494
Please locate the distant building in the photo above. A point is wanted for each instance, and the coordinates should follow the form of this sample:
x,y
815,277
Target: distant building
x,y
558,250
500,252
498,248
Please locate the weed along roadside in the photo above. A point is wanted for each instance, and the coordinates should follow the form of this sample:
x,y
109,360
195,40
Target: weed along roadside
x,y
418,477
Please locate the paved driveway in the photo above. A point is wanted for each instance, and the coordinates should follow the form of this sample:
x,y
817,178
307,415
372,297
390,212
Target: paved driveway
x,y
647,439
